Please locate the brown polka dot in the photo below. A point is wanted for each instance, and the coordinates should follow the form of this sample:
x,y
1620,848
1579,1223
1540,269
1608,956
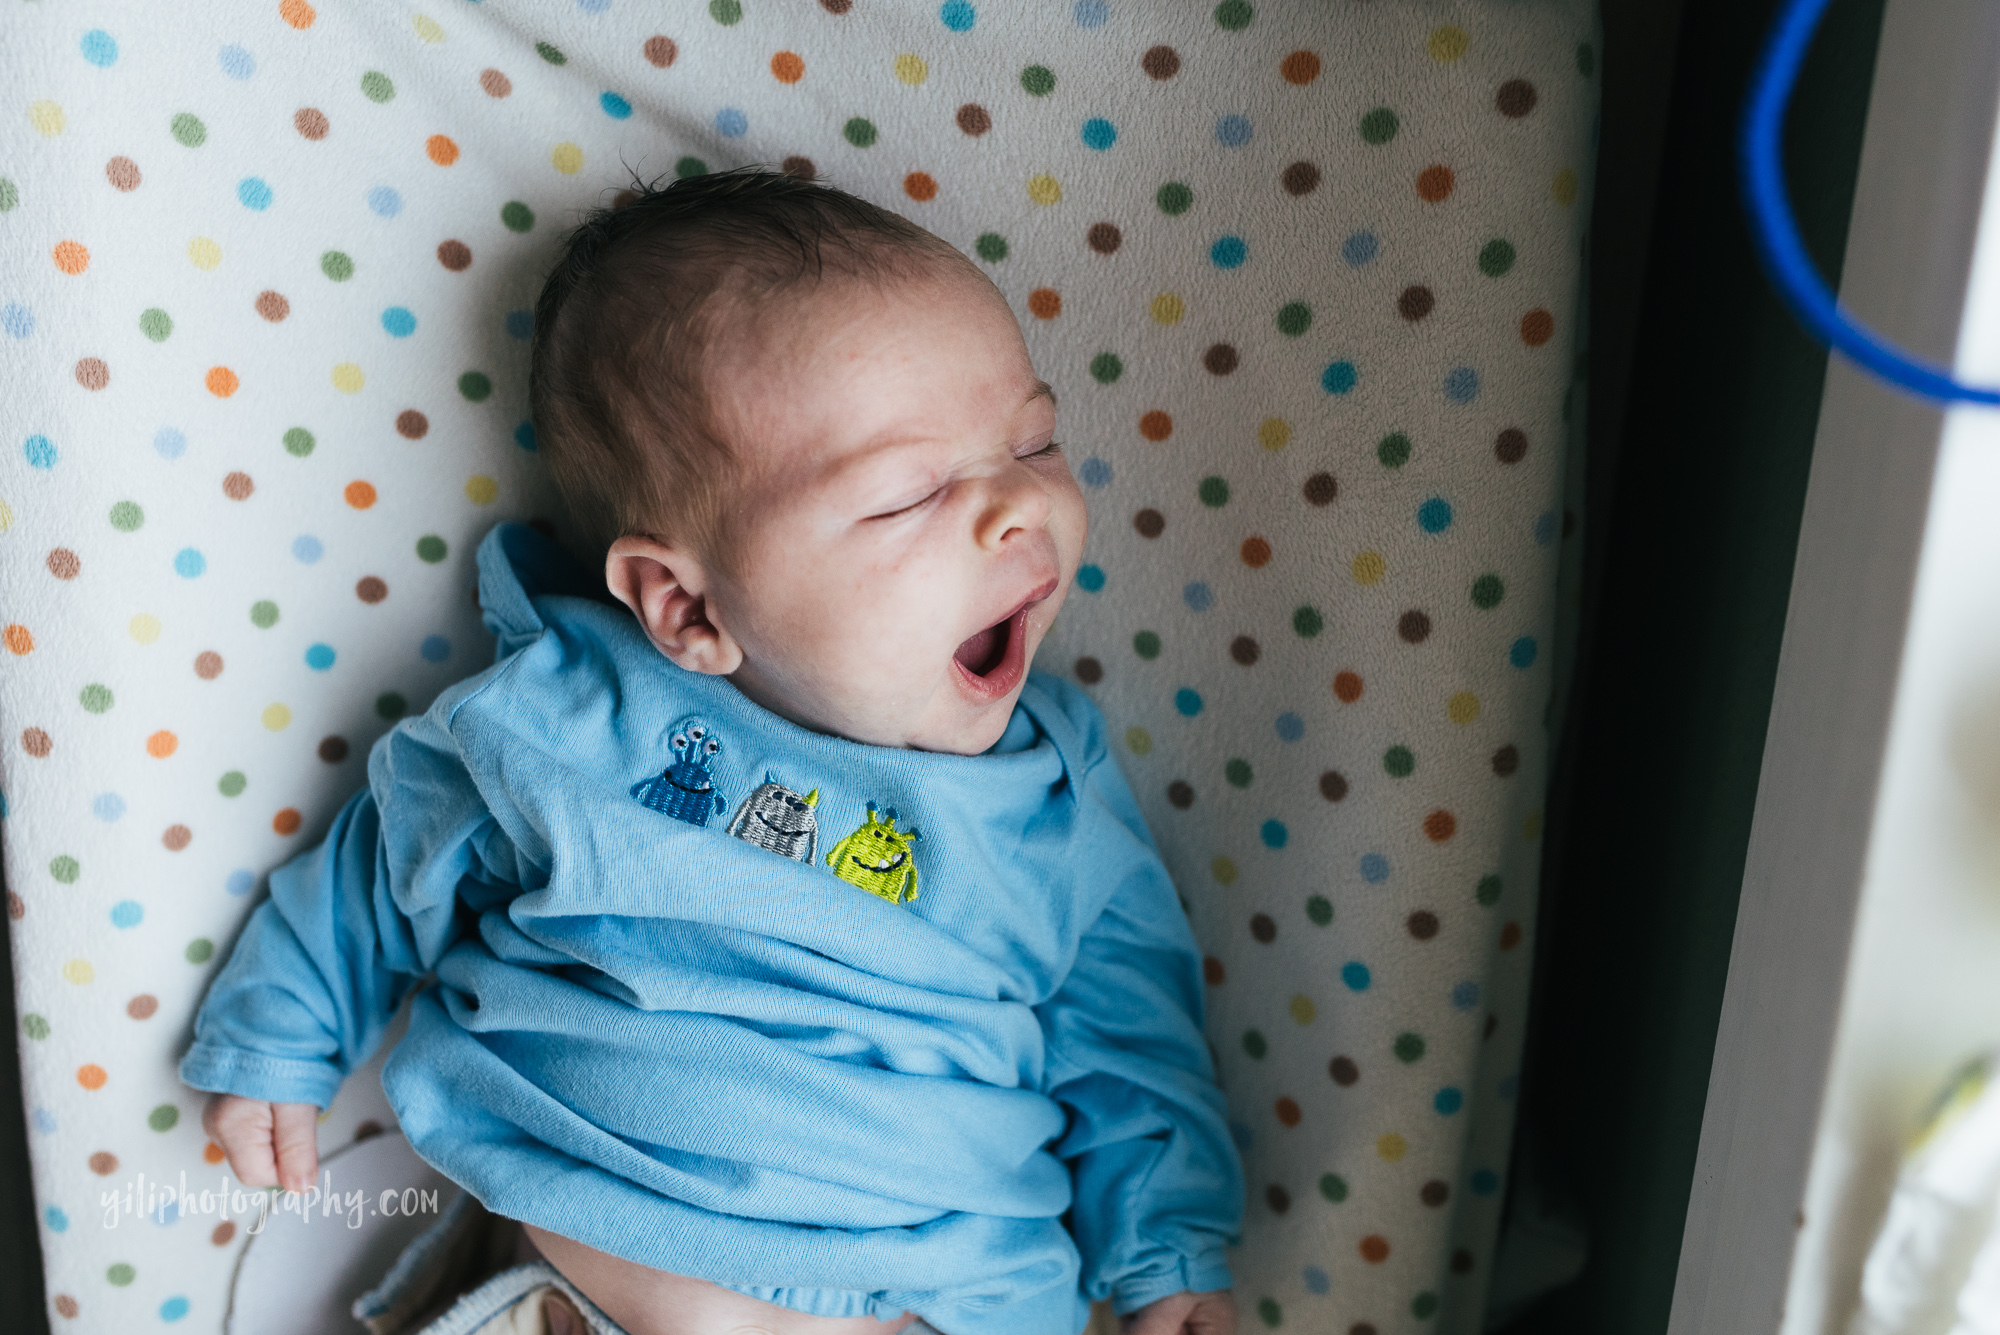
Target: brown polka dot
x,y
1506,760
122,172
177,837
1434,184
370,589
1361,1328
836,6
272,305
1415,302
1263,928
1423,924
1510,936
1256,553
64,563
1104,237
1288,1112
287,821
495,84
36,743
1045,303
92,373
1347,687
333,750
1301,178
1156,425
1244,650
412,425
1511,445
143,1007
1461,1262
1160,62
1492,1023
1181,794
1150,523
1374,1249
1440,826
311,122
1434,1193
66,1307
974,119
1321,488
1299,67
1414,627
457,256
104,1163
920,186
1344,1071
1220,359
223,1233
367,1129
801,167
1277,1198
17,907
1089,671
1332,785
238,486
1212,971
1537,328
1515,99
208,665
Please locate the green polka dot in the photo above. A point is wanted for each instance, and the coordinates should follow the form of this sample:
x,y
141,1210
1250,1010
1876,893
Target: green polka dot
x,y
1424,1306
391,705
1214,491
725,12
1496,257
1586,59
690,166
1488,893
156,324
121,1274
1308,622
991,247
187,129
860,131
10,195
476,386
376,87
1399,762
1234,15
518,217
1294,318
200,950
126,516
1320,909
1409,1047
336,266
232,783
552,54
164,1118
1146,645
1105,368
1238,773
1039,80
430,548
1268,1310
1379,126
263,614
1333,1186
34,1026
1487,591
65,869
1254,1044
1393,450
299,442
1174,199
95,698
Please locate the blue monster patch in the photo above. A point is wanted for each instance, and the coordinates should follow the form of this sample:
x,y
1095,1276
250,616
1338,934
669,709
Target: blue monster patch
x,y
685,789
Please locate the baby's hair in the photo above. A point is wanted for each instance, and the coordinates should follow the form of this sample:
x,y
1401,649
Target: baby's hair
x,y
640,290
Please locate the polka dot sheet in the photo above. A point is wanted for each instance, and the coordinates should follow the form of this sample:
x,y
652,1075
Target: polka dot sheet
x,y
1305,278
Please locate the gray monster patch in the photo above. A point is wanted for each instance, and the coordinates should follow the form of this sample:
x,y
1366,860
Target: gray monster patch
x,y
778,820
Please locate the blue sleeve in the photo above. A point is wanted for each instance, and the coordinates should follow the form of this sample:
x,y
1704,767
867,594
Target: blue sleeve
x,y
323,963
1158,1184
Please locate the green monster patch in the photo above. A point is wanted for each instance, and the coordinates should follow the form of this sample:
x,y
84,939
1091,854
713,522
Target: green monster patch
x,y
878,858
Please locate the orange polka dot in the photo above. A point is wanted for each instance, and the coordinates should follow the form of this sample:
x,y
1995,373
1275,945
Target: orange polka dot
x,y
1045,303
1288,1111
1156,425
1212,971
788,67
162,744
360,494
221,381
1510,936
91,1076
211,1153
1374,1249
919,186
441,150
1300,67
1347,687
287,821
1537,328
71,257
297,13
1256,553
1434,184
18,638
1440,826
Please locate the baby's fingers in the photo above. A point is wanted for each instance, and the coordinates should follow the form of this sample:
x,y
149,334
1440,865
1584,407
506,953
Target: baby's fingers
x,y
295,1132
243,1128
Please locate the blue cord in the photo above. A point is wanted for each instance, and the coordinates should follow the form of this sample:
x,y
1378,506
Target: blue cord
x,y
1777,232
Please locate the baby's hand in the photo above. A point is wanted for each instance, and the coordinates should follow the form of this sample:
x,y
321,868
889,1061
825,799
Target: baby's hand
x,y
1212,1313
268,1144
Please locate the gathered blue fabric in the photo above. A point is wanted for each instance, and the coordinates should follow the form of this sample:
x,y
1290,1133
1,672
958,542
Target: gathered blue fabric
x,y
851,1029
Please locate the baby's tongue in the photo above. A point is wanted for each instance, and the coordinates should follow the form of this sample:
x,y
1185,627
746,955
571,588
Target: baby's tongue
x,y
978,650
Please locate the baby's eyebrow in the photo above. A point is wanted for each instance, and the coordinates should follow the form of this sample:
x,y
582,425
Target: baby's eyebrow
x,y
1041,390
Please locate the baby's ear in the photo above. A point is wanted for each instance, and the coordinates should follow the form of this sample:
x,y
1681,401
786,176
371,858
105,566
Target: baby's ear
x,y
667,590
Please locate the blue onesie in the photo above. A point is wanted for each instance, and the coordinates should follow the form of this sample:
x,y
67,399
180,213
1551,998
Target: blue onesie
x,y
852,1029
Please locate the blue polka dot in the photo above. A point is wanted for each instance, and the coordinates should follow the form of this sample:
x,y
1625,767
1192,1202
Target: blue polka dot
x,y
1545,528
17,319
1232,131
1338,378
384,202
616,107
435,649
174,1308
524,434
1228,252
236,62
307,549
399,321
1290,727
189,563
593,6
1522,655
1434,515
1094,472
127,913
521,325
1187,701
107,806
240,883
45,1123
731,122
1091,13
1355,974
1509,1086
1316,1280
1374,868
254,193
1461,384
1274,834
167,1212
1099,133
1359,248
319,657
1485,1182
1465,996
1242,1135
100,48
1197,597
41,452
957,15
1090,578
169,443
57,1221
1449,1100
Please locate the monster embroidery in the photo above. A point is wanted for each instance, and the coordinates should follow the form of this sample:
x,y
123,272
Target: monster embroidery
x,y
777,819
685,789
877,858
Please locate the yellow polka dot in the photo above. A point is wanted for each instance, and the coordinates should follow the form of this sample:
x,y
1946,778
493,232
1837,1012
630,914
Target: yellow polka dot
x,y
911,69
1303,1009
47,118
1463,707
145,628
1167,309
1564,187
1044,189
1531,828
277,717
347,378
1369,567
481,489
1447,44
428,28
1223,869
1138,741
1274,433
204,254
79,972
6,516
567,158
1392,1147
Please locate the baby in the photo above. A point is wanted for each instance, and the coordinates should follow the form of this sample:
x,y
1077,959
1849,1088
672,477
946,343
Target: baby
x,y
801,960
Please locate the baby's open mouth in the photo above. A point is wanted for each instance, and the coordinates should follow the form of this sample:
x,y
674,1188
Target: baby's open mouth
x,y
983,652
993,661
